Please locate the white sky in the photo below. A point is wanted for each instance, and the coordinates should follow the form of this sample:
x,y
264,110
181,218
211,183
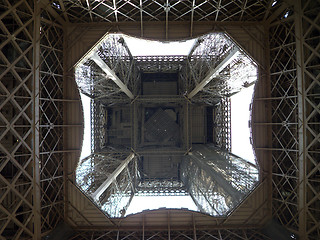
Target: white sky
x,y
240,133
86,145
239,123
140,203
139,47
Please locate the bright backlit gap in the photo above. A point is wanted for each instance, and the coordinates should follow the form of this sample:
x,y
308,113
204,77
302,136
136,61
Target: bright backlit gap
x,y
86,144
141,47
140,203
240,132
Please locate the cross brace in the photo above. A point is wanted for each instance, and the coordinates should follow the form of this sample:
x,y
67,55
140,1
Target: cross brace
x,y
112,177
214,72
111,74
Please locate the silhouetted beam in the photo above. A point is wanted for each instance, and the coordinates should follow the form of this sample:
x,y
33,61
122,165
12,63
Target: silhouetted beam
x,y
111,74
214,72
112,177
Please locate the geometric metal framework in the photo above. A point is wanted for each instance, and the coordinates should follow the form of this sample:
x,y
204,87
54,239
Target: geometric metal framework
x,y
295,89
40,123
159,121
217,180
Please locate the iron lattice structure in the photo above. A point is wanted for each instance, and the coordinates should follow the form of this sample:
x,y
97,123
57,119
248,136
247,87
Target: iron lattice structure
x,y
205,72
294,54
176,234
36,96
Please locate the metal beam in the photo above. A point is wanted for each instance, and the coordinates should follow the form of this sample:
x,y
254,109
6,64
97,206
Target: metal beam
x,y
214,72
111,74
302,159
36,125
112,177
47,5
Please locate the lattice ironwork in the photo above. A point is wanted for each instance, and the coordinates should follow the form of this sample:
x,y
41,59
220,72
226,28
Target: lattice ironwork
x,y
217,180
308,58
51,122
208,53
160,63
243,234
285,138
103,169
29,94
150,10
31,138
98,123
222,124
17,190
294,40
158,187
99,83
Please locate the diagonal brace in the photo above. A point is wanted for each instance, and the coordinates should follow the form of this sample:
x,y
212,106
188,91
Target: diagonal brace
x,y
214,72
111,74
112,177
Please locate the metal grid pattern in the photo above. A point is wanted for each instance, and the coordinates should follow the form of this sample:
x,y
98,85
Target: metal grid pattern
x,y
222,122
51,122
207,52
160,63
161,127
156,187
117,198
160,10
216,179
241,234
211,51
294,50
295,83
98,121
96,169
17,157
96,83
217,59
31,117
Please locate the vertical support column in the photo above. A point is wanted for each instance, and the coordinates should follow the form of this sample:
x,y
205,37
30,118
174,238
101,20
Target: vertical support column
x,y
186,128
264,76
194,228
65,110
36,124
135,125
301,119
